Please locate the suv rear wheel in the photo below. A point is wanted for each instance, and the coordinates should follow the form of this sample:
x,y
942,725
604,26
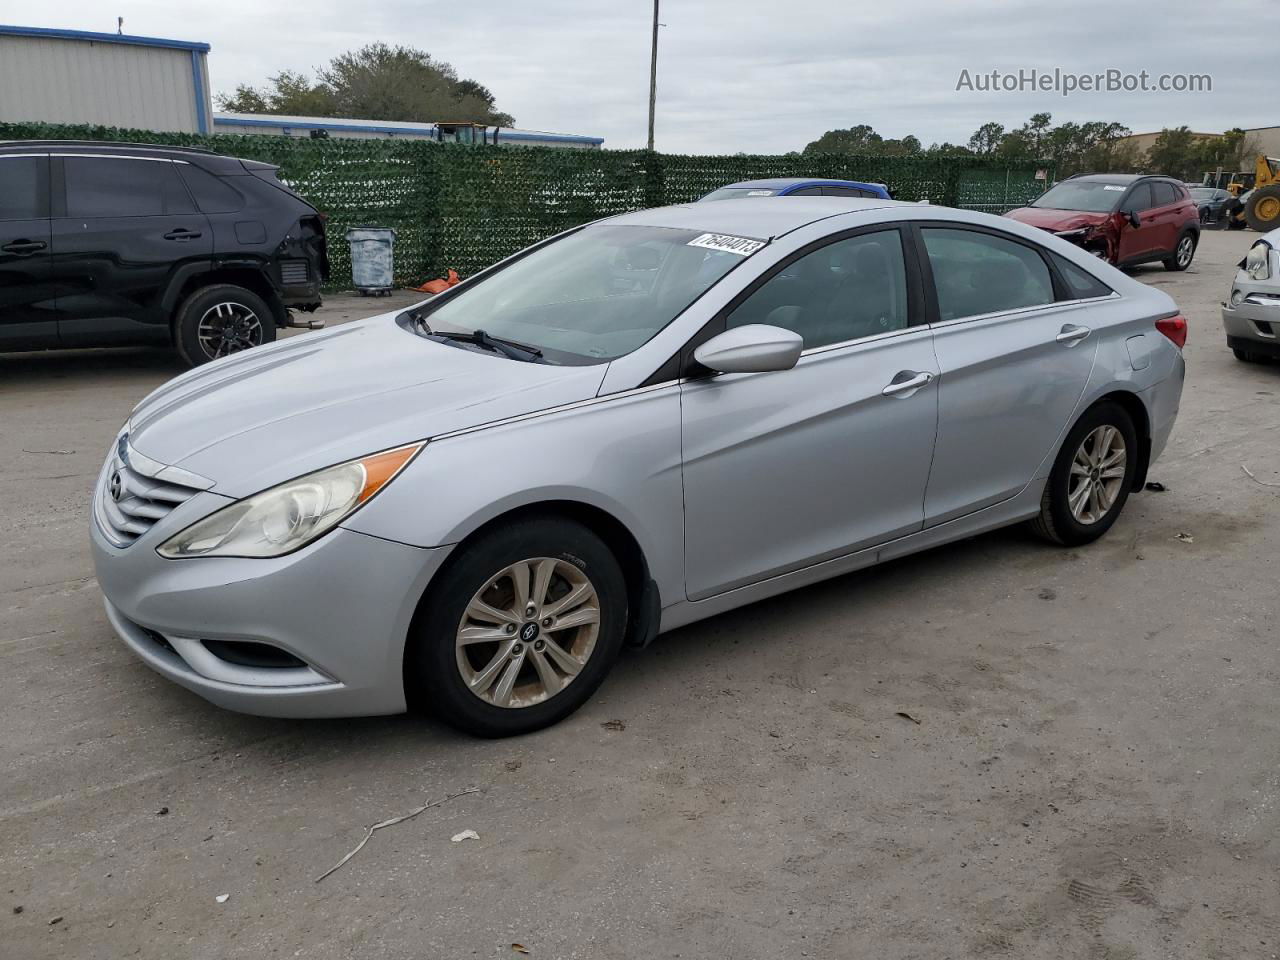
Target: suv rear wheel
x,y
220,320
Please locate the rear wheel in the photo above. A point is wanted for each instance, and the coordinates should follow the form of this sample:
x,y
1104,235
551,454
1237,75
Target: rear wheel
x,y
1183,253
520,630
1091,477
220,320
1246,356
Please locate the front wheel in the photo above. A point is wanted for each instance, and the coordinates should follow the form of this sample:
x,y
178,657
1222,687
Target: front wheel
x,y
519,630
220,320
1182,253
1091,477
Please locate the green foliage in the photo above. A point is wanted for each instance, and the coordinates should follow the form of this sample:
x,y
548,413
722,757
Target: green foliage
x,y
1180,153
376,82
467,207
862,141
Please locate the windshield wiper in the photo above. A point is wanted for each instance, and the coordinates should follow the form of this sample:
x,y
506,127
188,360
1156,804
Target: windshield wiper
x,y
511,349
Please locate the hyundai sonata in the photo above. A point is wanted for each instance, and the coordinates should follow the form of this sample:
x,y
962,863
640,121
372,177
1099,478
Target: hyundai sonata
x,y
472,505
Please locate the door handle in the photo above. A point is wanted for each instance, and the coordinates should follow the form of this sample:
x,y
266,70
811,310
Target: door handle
x,y
1071,334
24,248
910,382
182,233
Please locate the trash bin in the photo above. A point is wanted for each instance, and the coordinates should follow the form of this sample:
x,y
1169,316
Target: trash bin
x,y
372,250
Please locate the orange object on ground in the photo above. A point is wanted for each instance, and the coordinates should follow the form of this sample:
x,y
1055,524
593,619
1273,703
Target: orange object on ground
x,y
439,286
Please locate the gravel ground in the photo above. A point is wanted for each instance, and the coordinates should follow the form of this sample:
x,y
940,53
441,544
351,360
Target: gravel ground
x,y
1089,766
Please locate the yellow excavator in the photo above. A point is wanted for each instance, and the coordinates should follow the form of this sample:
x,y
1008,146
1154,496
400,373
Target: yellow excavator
x,y
1258,206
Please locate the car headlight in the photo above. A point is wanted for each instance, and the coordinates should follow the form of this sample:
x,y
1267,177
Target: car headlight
x,y
1074,235
284,518
1236,297
1258,263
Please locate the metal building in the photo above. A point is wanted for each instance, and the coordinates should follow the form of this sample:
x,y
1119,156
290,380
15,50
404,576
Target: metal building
x,y
277,125
108,79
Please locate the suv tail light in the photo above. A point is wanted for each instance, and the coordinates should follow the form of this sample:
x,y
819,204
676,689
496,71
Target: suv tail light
x,y
1175,328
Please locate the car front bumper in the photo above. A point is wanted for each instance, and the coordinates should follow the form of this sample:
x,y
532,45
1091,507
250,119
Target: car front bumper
x,y
1254,323
341,606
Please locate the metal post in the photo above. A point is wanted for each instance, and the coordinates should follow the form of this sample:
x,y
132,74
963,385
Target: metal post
x,y
653,72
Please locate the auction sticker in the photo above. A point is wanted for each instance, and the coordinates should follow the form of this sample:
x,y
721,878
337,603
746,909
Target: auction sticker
x,y
727,244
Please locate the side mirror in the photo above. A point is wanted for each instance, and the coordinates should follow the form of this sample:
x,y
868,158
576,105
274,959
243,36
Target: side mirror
x,y
1134,220
753,348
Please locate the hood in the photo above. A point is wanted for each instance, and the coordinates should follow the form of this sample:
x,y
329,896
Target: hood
x,y
270,414
1057,221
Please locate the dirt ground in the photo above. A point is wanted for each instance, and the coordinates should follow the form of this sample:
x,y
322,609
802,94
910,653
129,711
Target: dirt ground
x,y
1088,765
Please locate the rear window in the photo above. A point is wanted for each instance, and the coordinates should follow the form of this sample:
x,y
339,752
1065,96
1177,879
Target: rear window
x,y
977,273
1080,283
212,194
23,187
123,187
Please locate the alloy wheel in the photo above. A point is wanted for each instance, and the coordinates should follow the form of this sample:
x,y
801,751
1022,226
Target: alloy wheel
x,y
227,328
1186,246
528,632
1097,474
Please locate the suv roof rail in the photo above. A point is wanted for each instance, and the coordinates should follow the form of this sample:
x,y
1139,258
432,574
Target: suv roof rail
x,y
107,143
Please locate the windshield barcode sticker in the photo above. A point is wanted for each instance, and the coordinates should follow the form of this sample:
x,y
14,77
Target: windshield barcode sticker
x,y
1112,186
719,241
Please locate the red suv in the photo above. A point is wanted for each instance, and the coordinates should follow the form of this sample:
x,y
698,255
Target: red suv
x,y
1124,219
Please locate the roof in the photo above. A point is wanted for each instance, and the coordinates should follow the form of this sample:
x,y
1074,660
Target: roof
x,y
1118,177
85,35
777,183
206,159
410,127
761,218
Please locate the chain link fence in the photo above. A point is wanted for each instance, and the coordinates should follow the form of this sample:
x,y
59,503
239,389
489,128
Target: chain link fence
x,y
466,207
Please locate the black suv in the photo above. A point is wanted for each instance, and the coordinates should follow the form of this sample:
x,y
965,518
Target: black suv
x,y
105,244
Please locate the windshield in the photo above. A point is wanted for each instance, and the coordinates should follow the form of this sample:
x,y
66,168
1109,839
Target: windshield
x,y
596,294
737,193
1086,195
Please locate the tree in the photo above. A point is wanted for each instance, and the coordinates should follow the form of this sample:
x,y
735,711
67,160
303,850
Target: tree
x,y
864,141
376,82
1175,153
986,138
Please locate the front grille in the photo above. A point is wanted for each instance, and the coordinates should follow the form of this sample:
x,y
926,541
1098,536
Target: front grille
x,y
133,497
294,272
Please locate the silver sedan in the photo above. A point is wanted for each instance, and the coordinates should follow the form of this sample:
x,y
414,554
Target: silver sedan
x,y
471,506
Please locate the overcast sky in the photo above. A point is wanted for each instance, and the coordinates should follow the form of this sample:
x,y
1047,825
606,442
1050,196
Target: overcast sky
x,y
755,76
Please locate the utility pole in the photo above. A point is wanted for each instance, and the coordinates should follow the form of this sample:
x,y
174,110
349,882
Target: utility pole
x,y
653,72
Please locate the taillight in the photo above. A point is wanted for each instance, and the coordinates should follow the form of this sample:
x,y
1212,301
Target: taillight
x,y
1175,328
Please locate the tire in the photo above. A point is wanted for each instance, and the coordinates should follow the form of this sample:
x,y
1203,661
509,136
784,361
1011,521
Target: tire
x,y
1244,356
1206,217
254,323
1183,252
1263,208
1057,522
441,673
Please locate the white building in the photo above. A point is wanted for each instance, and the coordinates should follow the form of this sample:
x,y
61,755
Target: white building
x,y
107,79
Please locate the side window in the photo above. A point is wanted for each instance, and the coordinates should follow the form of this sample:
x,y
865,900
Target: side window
x,y
1139,198
1080,283
123,187
806,192
24,188
976,273
852,288
844,192
1163,194
213,195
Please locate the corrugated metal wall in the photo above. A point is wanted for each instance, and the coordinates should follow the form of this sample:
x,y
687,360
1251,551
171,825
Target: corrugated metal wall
x,y
113,84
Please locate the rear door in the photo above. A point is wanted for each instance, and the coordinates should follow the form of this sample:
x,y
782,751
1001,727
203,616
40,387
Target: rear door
x,y
28,319
1014,360
123,228
786,469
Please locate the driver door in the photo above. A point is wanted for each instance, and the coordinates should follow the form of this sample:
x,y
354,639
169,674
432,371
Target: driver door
x,y
1141,240
786,469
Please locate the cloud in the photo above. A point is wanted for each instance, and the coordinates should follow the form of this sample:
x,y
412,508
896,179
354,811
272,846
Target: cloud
x,y
748,76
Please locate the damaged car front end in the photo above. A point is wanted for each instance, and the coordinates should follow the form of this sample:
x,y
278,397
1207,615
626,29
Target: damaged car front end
x,y
1251,312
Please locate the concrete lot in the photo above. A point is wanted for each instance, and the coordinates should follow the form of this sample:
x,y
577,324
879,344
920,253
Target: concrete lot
x,y
1095,770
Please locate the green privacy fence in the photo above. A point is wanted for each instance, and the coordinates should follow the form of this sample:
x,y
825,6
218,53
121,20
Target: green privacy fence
x,y
466,207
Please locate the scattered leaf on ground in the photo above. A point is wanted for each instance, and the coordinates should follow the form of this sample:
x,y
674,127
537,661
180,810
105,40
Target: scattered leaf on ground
x,y
222,897
614,724
465,835
906,716
520,948
1184,538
